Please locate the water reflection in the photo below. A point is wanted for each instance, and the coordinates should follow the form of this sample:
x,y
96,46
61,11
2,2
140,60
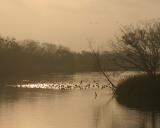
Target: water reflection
x,y
113,115
30,109
150,120
50,108
62,82
69,109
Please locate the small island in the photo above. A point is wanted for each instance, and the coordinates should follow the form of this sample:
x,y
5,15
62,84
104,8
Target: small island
x,y
140,46
141,92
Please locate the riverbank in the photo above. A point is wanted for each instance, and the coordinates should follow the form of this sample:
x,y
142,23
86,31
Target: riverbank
x,y
139,92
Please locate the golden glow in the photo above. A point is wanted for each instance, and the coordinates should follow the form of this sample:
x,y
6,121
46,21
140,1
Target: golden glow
x,y
72,22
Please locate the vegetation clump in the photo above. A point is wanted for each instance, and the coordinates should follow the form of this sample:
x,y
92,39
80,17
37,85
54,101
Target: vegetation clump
x,y
140,91
139,48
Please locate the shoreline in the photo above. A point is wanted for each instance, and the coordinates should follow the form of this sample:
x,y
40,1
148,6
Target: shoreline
x,y
140,92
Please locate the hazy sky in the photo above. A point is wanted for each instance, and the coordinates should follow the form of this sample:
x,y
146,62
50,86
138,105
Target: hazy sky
x,y
72,22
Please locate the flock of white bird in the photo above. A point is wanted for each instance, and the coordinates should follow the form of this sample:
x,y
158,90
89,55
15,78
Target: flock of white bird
x,y
64,85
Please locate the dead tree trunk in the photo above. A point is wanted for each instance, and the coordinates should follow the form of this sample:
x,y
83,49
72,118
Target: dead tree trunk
x,y
98,62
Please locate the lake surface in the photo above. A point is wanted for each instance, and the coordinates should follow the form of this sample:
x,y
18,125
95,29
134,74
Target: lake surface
x,y
50,106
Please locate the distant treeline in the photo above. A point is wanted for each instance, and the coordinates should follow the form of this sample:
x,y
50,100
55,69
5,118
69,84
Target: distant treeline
x,y
31,57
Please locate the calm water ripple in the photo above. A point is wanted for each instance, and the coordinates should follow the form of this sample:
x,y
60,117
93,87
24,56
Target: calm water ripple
x,y
69,108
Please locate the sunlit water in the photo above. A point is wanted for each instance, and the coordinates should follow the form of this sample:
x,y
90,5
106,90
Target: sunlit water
x,y
50,107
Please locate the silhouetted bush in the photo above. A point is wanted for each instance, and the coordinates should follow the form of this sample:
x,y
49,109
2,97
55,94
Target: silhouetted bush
x,y
140,92
140,46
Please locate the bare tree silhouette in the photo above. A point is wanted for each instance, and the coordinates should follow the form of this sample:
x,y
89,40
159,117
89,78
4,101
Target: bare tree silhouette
x,y
101,69
139,47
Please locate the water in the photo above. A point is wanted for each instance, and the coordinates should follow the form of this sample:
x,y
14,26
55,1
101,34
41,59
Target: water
x,y
70,108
